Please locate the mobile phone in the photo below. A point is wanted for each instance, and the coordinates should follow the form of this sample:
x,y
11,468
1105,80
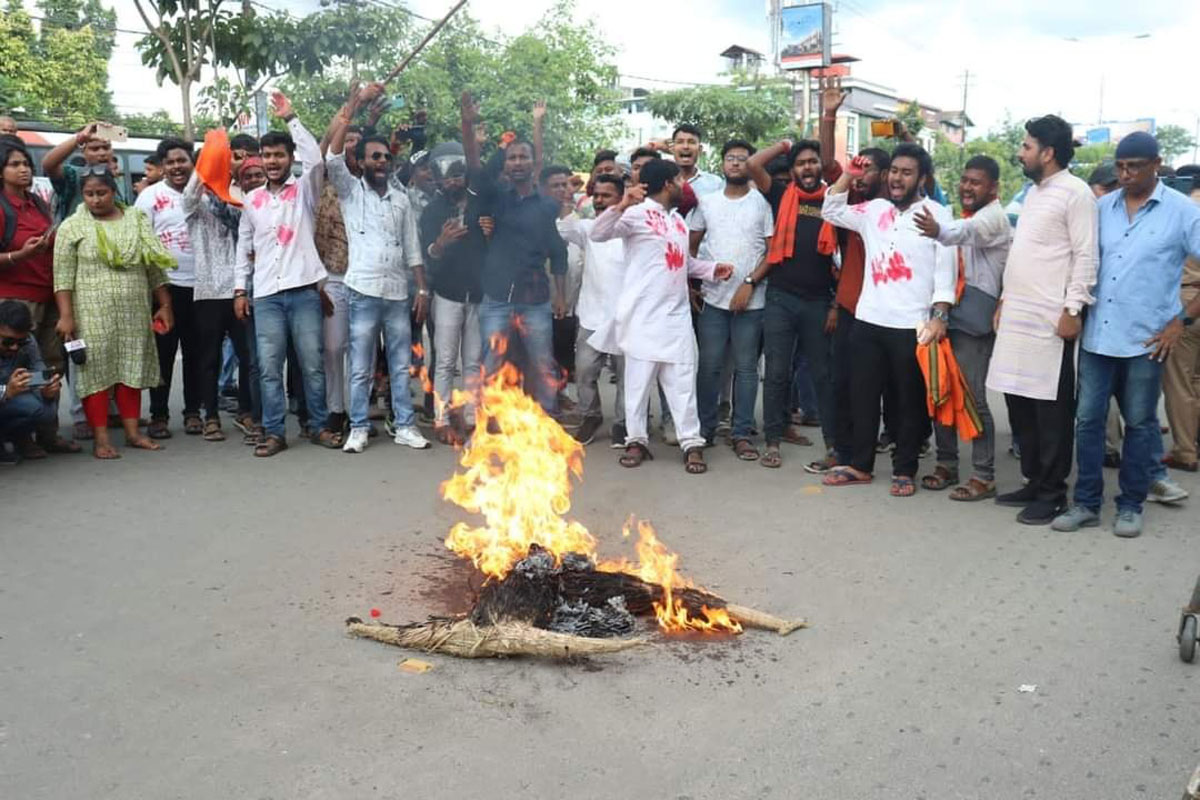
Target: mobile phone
x,y
113,133
41,377
883,128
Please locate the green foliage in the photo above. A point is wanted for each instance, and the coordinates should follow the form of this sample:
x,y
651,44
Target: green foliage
x,y
910,115
759,111
1173,141
557,60
1088,157
60,73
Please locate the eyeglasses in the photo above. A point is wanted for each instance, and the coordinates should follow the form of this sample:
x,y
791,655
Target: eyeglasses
x,y
9,342
96,169
733,158
1132,166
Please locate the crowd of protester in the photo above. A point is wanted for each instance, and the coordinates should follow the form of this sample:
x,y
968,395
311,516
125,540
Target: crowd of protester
x,y
331,271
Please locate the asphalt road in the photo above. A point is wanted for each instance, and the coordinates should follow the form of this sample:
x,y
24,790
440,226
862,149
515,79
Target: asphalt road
x,y
171,627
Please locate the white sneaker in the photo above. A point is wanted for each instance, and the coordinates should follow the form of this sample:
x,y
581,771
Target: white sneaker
x,y
668,434
356,442
411,437
1166,491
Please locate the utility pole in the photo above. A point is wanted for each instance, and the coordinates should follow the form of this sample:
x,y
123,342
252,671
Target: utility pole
x,y
260,99
966,82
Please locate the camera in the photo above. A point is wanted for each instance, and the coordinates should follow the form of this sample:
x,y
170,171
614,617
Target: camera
x,y
77,350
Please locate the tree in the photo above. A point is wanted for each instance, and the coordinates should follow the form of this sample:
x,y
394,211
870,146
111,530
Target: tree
x,y
759,111
1173,141
1001,144
61,72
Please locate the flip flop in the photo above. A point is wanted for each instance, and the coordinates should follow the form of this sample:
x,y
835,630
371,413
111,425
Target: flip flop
x,y
903,486
844,476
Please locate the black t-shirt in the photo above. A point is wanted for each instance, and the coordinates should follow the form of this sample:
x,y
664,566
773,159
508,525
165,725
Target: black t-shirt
x,y
807,273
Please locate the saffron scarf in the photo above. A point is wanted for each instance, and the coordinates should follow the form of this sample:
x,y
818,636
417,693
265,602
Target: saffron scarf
x,y
960,285
783,243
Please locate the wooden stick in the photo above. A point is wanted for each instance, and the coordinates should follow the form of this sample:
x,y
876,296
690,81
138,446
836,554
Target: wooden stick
x,y
753,618
465,639
428,38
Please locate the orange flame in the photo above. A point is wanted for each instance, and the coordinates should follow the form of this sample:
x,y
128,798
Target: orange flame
x,y
517,473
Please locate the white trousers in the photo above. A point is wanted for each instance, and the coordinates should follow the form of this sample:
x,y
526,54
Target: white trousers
x,y
456,332
337,346
678,383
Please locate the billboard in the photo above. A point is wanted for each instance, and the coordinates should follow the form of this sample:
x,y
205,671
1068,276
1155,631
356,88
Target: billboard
x,y
804,36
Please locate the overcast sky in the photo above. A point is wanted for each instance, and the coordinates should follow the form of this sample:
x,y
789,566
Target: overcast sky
x,y
1026,57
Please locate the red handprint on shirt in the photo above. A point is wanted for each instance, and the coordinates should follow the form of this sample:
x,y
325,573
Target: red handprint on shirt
x,y
656,222
895,269
675,257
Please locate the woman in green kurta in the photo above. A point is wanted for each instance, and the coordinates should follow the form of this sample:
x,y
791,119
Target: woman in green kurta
x,y
107,262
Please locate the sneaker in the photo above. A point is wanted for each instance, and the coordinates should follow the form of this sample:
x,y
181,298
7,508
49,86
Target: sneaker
x,y
586,433
409,436
1166,491
1074,518
1014,450
1112,459
1018,499
1041,512
389,425
356,442
1128,524
668,434
617,436
926,450
338,422
884,444
823,466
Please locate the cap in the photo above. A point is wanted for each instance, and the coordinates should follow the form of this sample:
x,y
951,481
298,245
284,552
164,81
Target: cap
x,y
1138,144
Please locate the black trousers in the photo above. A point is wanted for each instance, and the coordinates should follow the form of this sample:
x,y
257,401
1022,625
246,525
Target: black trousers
x,y
1045,430
564,331
184,335
843,423
885,359
214,321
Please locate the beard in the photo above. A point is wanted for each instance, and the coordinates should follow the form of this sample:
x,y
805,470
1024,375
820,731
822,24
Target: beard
x,y
456,194
740,180
1033,173
909,197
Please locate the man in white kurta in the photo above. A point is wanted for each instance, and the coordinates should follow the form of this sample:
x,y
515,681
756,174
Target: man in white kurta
x,y
653,321
1048,278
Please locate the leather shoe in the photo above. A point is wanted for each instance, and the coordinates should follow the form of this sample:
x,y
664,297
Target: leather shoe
x,y
1041,512
1018,499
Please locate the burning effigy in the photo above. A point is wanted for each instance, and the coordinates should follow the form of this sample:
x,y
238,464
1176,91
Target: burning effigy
x,y
546,591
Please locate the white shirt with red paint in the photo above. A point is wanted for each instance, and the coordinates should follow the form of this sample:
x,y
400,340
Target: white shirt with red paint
x,y
164,206
906,273
275,237
653,319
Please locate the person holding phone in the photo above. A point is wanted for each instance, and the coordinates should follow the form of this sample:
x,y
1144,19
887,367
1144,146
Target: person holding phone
x,y
28,390
26,273
107,264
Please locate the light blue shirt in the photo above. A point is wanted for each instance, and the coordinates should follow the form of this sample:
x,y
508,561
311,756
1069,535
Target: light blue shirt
x,y
1141,270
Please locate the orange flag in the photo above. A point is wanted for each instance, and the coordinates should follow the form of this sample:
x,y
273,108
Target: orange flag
x,y
214,167
947,396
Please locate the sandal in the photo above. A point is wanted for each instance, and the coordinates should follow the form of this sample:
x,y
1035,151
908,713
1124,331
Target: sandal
x,y
327,438
745,450
81,431
270,446
60,446
903,486
254,436
1176,463
941,478
192,426
693,461
635,453
157,429
244,423
974,490
793,436
212,431
772,459
30,450
846,476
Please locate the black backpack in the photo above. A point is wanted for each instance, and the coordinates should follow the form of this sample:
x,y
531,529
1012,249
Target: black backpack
x,y
10,218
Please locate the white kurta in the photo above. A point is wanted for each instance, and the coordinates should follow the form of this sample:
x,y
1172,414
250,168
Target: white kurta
x,y
1051,267
653,320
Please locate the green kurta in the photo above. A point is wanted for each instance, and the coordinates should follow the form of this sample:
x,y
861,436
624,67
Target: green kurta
x,y
110,294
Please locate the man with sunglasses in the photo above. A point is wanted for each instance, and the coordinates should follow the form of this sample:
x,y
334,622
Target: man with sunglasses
x,y
381,231
27,399
1146,232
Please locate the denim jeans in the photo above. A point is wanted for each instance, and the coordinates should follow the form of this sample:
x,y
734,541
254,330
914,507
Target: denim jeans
x,y
533,324
22,414
791,322
803,395
368,316
1136,382
718,329
295,313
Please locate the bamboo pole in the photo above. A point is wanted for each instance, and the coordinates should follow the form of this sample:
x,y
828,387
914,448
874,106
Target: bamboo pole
x,y
428,38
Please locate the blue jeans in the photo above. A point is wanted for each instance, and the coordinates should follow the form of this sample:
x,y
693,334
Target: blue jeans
x,y
295,313
368,316
1136,382
803,395
718,329
24,413
533,324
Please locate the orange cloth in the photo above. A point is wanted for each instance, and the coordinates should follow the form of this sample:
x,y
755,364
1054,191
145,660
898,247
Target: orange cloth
x,y
948,396
783,243
214,167
960,285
